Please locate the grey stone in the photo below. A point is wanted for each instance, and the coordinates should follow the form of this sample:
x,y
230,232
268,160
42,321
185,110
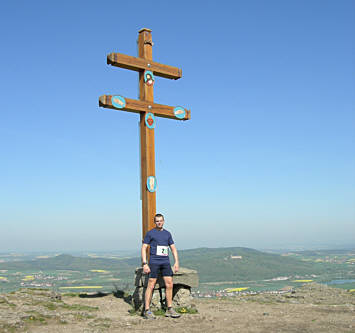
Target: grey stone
x,y
182,297
187,277
184,280
157,302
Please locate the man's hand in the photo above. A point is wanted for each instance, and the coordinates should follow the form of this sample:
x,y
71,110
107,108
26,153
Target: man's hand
x,y
176,258
176,267
146,269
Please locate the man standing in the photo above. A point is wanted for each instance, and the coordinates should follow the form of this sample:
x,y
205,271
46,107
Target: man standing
x,y
159,240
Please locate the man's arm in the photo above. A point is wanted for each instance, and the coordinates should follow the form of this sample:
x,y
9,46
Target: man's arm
x,y
146,268
176,257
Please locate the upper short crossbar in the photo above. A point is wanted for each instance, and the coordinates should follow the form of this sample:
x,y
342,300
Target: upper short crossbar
x,y
141,64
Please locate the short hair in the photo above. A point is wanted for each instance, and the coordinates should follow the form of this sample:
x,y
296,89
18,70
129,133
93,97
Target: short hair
x,y
158,215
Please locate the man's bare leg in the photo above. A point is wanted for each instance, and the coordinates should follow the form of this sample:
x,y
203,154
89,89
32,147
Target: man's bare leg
x,y
149,292
169,297
168,290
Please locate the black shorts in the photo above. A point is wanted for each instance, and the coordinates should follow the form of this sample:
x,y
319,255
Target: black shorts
x,y
164,269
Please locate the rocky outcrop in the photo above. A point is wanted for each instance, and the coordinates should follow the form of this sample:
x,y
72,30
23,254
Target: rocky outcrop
x,y
184,280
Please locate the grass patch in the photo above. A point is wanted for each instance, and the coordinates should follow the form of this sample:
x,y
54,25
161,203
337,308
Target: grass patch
x,y
132,312
50,306
184,310
35,319
159,312
79,307
83,316
36,289
101,322
46,304
39,293
37,314
71,294
4,301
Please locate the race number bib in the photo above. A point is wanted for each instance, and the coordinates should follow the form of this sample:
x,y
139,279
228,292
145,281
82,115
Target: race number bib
x,y
162,250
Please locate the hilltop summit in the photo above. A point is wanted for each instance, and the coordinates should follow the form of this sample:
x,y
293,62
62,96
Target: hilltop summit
x,y
311,308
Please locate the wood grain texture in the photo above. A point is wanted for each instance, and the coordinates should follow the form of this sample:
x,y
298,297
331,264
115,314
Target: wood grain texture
x,y
146,96
138,106
143,63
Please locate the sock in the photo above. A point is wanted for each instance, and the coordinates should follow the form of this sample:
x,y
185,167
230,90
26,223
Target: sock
x,y
170,307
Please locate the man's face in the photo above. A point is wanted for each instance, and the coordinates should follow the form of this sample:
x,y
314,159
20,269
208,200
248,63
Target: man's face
x,y
159,222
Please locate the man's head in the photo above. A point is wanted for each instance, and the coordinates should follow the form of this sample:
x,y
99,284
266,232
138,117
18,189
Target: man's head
x,y
159,221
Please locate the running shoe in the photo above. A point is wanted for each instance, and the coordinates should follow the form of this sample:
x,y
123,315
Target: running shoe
x,y
171,313
148,315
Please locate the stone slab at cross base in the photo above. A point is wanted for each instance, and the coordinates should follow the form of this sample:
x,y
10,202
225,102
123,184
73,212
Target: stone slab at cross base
x,y
184,276
184,280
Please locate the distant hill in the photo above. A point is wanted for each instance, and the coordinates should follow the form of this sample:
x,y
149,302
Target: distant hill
x,y
213,264
238,264
323,252
69,262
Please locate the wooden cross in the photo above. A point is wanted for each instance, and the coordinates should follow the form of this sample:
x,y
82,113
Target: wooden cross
x,y
147,109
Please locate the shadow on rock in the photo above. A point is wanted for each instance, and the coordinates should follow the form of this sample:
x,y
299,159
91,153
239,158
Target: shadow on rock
x,y
121,293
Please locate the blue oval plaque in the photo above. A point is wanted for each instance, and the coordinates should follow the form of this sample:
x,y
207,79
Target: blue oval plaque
x,y
151,184
149,78
118,101
150,120
179,112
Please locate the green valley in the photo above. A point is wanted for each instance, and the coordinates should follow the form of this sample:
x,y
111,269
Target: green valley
x,y
218,268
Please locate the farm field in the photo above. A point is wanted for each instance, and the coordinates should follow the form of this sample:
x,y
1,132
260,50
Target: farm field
x,y
237,268
60,280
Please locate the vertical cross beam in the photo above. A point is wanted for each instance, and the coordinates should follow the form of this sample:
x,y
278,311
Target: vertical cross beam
x,y
148,110
147,153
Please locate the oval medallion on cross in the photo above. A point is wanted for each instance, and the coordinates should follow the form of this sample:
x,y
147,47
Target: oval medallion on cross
x,y
118,101
150,120
151,184
179,112
149,78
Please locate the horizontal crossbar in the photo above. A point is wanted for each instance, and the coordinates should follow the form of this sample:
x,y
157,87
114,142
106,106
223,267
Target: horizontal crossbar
x,y
137,106
139,64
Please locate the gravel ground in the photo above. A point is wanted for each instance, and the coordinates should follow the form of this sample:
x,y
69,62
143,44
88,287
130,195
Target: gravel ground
x,y
311,308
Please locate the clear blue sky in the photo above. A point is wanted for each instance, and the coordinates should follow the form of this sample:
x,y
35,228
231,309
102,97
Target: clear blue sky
x,y
266,161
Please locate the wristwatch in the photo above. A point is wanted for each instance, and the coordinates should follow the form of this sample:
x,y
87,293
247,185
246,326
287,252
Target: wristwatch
x,y
144,263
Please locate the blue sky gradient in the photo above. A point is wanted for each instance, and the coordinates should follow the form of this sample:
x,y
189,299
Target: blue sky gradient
x,y
267,160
